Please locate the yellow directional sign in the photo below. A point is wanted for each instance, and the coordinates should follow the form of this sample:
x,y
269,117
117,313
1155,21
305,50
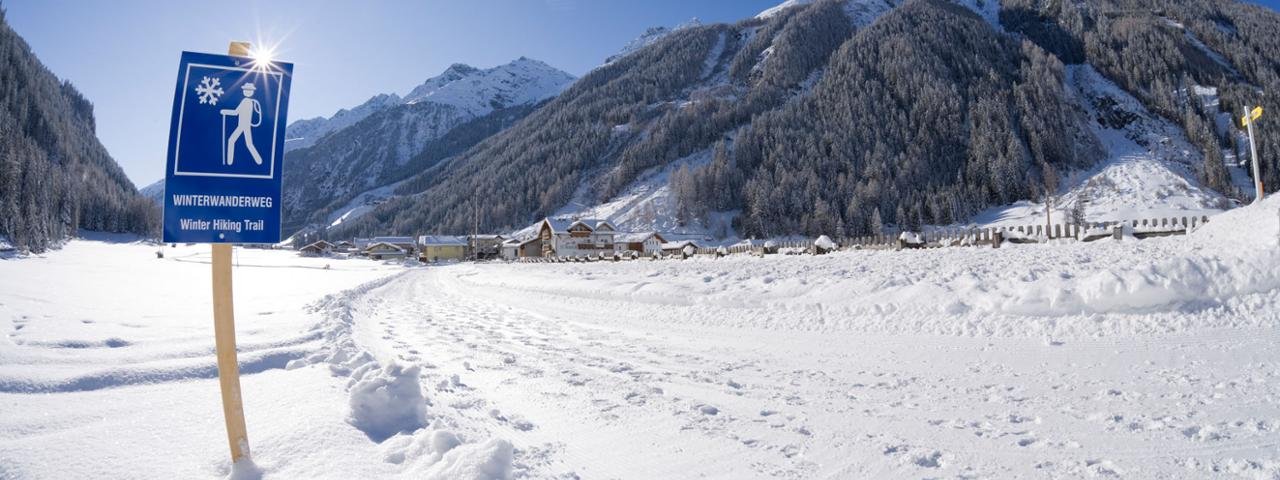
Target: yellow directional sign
x,y
1257,112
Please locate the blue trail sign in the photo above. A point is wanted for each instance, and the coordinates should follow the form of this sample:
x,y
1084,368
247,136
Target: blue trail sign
x,y
226,150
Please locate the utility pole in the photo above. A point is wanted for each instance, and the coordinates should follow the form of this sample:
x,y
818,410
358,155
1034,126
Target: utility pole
x,y
475,230
1248,119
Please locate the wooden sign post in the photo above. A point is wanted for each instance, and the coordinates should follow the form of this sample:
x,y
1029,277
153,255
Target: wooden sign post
x,y
224,331
224,104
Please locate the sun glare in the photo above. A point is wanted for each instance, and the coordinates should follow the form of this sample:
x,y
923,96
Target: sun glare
x,y
262,56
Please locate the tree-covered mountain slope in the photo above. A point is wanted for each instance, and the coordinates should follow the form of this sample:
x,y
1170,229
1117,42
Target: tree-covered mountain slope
x,y
55,177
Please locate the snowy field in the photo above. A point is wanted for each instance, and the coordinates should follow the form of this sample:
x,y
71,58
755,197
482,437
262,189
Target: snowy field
x,y
1132,359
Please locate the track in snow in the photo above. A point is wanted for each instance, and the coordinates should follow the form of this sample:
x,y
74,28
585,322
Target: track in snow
x,y
603,387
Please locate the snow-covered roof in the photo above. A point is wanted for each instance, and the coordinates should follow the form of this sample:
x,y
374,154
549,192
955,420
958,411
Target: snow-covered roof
x,y
320,245
637,237
384,246
561,225
314,247
558,225
599,224
487,237
678,244
394,240
442,240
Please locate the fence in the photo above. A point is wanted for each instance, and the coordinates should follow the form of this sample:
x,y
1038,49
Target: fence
x,y
930,238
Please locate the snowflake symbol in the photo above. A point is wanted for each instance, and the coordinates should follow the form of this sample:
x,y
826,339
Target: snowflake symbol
x,y
209,90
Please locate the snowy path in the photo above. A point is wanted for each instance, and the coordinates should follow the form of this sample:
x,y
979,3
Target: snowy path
x,y
608,388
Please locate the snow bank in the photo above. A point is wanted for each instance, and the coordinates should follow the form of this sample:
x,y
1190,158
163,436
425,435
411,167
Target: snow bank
x,y
386,401
441,455
245,469
1068,288
825,243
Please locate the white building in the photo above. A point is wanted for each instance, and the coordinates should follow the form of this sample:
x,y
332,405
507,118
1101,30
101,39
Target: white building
x,y
644,243
571,238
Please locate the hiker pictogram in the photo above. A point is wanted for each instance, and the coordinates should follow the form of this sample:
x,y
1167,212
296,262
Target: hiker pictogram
x,y
247,114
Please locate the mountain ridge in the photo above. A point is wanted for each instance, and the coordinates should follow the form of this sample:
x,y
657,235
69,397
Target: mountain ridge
x,y
725,87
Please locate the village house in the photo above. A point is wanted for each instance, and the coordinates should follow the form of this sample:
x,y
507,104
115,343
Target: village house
x,y
485,247
344,246
408,244
645,243
385,251
515,248
571,238
316,249
676,247
436,248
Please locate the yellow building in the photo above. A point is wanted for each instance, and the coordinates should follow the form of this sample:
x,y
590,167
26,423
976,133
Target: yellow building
x,y
441,248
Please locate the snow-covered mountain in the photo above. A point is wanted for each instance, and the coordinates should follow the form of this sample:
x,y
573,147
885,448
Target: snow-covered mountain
x,y
305,133
377,144
652,34
862,12
154,192
475,91
523,81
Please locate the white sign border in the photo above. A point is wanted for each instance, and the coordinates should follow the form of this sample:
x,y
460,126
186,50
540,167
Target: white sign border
x,y
275,128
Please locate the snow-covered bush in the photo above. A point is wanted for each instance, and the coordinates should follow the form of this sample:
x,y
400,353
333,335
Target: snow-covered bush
x,y
824,244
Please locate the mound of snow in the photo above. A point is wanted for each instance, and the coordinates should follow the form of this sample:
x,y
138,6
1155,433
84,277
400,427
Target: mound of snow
x,y
386,401
489,460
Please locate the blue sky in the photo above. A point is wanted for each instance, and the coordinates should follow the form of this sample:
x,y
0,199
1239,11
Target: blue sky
x,y
123,55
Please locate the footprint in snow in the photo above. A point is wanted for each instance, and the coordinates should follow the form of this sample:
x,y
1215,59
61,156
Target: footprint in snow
x,y
929,460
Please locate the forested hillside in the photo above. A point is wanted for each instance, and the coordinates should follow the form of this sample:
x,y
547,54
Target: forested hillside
x,y
819,124
927,116
55,176
1161,51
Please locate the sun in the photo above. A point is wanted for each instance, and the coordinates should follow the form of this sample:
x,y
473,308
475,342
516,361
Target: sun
x,y
262,57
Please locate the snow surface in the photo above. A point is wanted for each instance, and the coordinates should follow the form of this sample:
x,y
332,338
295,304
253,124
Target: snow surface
x,y
1141,359
107,371
647,205
1147,359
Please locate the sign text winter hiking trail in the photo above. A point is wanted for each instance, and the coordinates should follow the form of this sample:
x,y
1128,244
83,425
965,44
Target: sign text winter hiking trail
x,y
226,147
